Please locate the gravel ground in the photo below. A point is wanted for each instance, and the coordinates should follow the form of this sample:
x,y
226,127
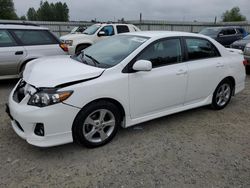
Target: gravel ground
x,y
196,148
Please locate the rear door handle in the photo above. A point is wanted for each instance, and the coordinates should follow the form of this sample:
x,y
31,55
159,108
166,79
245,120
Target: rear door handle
x,y
181,72
219,65
19,53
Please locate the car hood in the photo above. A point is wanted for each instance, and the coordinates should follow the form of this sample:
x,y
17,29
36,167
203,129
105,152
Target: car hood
x,y
73,36
54,71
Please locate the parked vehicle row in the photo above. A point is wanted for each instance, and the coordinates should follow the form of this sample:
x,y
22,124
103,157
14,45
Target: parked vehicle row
x,y
78,41
19,44
121,81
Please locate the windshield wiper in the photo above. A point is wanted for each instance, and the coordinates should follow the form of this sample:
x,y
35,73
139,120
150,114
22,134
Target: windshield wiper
x,y
93,59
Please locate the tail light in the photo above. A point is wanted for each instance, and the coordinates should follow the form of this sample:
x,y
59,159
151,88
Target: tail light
x,y
245,62
64,47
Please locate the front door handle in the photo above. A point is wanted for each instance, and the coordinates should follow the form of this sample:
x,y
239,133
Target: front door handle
x,y
181,72
19,53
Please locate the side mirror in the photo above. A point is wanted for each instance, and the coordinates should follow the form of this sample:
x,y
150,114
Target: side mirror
x,y
101,34
142,65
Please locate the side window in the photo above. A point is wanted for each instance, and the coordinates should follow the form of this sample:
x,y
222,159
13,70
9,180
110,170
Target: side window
x,y
229,32
200,49
35,37
109,30
6,40
163,52
122,29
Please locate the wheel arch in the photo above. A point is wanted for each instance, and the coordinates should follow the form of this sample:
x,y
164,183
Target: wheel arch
x,y
24,64
82,44
232,80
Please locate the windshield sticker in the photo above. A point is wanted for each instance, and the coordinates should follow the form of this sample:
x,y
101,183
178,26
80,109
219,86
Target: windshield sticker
x,y
138,39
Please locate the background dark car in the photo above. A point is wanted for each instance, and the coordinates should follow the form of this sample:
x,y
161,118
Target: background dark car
x,y
241,44
225,35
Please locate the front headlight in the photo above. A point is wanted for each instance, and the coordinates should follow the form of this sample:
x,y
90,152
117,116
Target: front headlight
x,y
48,97
68,42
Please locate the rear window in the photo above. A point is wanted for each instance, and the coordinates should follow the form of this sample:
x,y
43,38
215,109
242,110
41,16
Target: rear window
x,y
122,29
6,39
35,37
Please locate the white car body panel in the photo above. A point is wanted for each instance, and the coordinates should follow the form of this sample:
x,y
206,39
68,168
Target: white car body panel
x,y
143,95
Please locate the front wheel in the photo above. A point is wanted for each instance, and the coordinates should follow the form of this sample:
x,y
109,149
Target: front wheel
x,y
222,95
96,124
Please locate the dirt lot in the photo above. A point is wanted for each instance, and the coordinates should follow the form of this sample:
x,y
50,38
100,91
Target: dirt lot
x,y
196,148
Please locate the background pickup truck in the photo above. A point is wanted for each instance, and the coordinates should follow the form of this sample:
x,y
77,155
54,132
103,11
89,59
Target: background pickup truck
x,y
94,33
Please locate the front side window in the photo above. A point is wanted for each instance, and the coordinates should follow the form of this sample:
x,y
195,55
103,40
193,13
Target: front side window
x,y
109,30
200,49
122,29
163,52
6,39
34,37
228,32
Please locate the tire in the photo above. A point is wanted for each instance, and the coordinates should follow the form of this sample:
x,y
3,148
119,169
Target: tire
x,y
222,95
96,124
248,69
80,48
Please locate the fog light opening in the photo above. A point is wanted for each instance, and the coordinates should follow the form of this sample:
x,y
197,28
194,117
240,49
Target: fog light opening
x,y
39,129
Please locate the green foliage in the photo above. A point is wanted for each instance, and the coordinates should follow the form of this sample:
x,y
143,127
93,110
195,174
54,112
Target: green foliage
x,y
49,12
233,15
7,10
31,14
23,18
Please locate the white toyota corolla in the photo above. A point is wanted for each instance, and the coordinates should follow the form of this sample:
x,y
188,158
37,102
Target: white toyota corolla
x,y
122,81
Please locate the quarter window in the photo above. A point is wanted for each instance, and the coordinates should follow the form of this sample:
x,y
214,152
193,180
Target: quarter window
x,y
163,52
200,49
34,37
122,29
6,39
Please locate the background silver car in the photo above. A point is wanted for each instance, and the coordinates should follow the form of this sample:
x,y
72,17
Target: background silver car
x,y
21,43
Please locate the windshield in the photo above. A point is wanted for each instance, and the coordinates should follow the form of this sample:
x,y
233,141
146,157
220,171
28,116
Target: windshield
x,y
91,30
109,52
247,37
210,31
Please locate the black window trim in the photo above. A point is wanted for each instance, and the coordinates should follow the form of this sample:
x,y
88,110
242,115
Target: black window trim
x,y
13,37
128,68
186,49
53,37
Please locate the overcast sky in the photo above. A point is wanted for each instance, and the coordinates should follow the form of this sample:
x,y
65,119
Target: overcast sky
x,y
174,10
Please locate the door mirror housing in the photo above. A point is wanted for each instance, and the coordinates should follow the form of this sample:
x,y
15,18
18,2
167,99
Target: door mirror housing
x,y
101,34
142,65
220,35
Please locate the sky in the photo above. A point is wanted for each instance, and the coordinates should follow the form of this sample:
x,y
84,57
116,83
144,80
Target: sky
x,y
174,10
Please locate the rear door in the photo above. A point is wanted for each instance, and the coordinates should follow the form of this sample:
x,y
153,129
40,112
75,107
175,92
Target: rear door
x,y
38,43
205,69
11,54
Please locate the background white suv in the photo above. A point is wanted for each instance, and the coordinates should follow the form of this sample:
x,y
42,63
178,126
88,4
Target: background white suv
x,y
94,33
21,43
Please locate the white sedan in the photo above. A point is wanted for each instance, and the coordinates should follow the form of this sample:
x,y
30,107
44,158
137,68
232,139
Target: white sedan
x,y
122,81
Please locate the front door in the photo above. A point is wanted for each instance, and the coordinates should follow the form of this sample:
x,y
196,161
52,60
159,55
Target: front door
x,y
163,87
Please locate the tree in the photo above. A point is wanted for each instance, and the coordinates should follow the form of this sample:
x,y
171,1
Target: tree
x,y
49,12
7,10
31,14
233,15
23,18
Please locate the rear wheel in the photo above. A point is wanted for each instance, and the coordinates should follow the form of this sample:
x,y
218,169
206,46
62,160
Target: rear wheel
x,y
222,95
248,69
96,124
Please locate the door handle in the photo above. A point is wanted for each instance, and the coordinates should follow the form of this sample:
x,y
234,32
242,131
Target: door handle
x,y
19,53
219,65
181,72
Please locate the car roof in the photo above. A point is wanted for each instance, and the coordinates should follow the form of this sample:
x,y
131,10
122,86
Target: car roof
x,y
17,26
103,24
159,34
226,27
